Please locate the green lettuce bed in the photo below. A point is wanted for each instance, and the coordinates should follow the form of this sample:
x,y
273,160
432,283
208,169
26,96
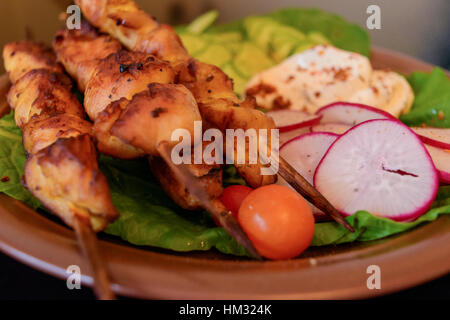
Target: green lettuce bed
x,y
148,217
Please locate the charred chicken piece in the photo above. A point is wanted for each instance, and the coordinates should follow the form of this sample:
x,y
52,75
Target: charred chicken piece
x,y
81,58
61,169
134,104
138,31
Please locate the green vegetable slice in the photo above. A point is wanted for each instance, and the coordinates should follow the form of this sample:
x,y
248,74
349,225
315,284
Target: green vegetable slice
x,y
275,38
223,38
202,23
259,30
303,46
239,80
251,60
194,44
317,38
216,54
337,30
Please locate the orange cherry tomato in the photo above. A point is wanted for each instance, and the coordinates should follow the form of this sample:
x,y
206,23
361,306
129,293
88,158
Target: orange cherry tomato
x,y
278,221
232,198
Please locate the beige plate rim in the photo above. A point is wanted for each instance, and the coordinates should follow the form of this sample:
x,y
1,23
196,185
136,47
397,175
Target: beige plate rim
x,y
334,272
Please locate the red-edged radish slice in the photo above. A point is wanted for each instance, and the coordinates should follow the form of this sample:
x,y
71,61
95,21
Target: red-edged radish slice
x,y
288,120
304,154
435,137
380,166
441,160
350,113
289,135
336,128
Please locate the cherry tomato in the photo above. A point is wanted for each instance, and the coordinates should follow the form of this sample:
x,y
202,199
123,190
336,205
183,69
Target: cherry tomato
x,y
278,221
232,198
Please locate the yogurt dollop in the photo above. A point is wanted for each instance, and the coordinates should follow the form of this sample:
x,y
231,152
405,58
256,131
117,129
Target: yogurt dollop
x,y
325,74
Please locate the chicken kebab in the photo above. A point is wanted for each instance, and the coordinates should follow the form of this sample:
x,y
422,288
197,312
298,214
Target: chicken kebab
x,y
61,169
135,106
211,87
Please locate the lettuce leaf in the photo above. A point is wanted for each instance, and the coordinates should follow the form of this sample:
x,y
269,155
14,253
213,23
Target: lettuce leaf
x,y
340,32
12,162
149,217
369,227
431,105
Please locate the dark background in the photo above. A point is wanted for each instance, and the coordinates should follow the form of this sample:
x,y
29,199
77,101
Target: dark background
x,y
18,281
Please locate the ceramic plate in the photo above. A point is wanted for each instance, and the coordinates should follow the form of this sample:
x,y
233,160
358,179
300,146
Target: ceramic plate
x,y
331,272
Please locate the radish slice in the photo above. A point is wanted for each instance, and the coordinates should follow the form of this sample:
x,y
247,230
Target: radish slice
x,y
336,128
350,113
289,135
441,159
380,166
304,154
287,120
435,137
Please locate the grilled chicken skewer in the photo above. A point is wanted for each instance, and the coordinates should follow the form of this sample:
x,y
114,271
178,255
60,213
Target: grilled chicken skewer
x,y
128,74
211,87
136,107
61,169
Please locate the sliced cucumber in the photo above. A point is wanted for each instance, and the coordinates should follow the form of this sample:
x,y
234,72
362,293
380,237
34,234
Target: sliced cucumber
x,y
303,46
317,38
259,30
216,54
193,43
282,46
251,59
239,80
203,22
223,37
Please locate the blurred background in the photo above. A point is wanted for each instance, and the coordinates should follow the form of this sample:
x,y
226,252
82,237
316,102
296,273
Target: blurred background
x,y
420,28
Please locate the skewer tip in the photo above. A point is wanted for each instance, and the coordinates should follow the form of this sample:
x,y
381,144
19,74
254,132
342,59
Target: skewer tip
x,y
88,244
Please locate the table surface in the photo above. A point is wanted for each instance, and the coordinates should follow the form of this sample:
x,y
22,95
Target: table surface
x,y
18,281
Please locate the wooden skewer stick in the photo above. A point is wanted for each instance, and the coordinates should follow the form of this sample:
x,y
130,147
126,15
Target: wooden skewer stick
x,y
88,243
303,187
5,85
213,206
